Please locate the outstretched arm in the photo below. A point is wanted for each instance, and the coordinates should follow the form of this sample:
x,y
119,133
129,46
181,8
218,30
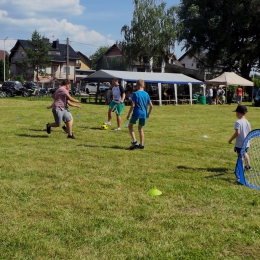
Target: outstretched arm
x,y
72,104
69,97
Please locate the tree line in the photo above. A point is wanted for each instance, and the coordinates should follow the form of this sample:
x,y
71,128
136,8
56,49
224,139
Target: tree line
x,y
226,32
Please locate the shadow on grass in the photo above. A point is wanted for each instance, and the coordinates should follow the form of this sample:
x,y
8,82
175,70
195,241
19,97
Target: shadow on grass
x,y
220,172
102,146
38,130
33,136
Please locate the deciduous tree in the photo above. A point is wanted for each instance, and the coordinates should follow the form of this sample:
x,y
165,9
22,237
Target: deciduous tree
x,y
97,55
36,55
151,36
227,31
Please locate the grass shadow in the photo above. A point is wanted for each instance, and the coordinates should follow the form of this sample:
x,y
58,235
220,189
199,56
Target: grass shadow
x,y
38,130
221,171
32,136
102,146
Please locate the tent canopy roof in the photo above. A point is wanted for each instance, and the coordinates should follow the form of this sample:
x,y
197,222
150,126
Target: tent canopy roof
x,y
230,78
131,76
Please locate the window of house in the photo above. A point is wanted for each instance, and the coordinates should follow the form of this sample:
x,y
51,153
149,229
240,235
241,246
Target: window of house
x,y
65,70
197,66
41,68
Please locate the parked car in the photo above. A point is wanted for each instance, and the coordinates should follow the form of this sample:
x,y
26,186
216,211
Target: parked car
x,y
30,85
92,88
13,88
257,99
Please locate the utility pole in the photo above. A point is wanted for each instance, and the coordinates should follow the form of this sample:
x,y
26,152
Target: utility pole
x,y
4,57
67,63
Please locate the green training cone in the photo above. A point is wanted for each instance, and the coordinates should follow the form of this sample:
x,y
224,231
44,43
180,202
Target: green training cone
x,y
154,192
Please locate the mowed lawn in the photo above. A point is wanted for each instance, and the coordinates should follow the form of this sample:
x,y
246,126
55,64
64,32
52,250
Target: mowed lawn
x,y
87,198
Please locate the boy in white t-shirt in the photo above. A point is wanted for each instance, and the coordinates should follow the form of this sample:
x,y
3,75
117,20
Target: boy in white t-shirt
x,y
242,128
117,104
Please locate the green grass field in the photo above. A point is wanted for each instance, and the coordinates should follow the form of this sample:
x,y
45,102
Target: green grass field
x,y
87,198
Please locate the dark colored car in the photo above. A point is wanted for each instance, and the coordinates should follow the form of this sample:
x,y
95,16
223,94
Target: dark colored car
x,y
30,85
13,88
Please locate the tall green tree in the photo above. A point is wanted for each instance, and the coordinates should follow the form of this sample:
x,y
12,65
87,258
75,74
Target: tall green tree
x,y
36,55
97,55
227,31
151,36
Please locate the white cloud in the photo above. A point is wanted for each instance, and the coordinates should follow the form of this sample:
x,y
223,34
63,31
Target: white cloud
x,y
20,18
90,40
34,8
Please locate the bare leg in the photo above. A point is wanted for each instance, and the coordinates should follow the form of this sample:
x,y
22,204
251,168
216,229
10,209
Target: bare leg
x,y
118,118
53,125
131,131
141,133
247,161
109,115
69,127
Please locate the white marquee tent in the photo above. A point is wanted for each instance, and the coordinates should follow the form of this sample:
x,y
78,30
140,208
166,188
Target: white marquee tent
x,y
160,78
230,78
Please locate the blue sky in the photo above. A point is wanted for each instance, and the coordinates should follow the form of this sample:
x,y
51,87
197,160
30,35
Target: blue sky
x,y
88,24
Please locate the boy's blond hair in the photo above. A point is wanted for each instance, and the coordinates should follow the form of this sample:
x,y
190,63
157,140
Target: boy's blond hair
x,y
140,82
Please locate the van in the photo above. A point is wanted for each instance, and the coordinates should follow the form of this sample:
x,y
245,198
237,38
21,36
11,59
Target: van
x,y
91,87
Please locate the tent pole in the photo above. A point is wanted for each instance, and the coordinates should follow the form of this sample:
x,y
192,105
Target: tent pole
x,y
175,92
190,87
160,93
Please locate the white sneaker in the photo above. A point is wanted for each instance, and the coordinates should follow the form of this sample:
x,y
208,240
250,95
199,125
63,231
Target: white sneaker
x,y
107,123
118,129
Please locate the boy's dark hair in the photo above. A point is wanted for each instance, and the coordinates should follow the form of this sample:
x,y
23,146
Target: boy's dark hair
x,y
65,82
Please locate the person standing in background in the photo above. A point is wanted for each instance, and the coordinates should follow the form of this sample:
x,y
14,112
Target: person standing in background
x,y
210,95
117,104
239,95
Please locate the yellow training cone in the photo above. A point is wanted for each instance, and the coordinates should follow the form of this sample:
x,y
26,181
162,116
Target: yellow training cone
x,y
154,192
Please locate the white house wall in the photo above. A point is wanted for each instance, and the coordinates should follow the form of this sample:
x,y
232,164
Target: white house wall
x,y
189,63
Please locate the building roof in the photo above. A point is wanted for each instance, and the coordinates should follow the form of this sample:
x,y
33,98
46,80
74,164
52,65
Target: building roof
x,y
83,55
55,47
130,76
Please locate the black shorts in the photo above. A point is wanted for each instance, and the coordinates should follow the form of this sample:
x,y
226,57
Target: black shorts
x,y
238,150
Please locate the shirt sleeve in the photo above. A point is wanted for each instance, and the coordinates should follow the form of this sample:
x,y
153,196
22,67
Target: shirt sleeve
x,y
133,97
237,126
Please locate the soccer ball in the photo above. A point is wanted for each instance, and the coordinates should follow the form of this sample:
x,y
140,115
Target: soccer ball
x,y
104,127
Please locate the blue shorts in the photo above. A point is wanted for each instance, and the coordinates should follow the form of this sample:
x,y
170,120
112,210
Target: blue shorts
x,y
238,150
141,121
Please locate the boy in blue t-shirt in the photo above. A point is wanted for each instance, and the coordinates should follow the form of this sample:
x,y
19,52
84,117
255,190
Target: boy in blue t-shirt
x,y
140,101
